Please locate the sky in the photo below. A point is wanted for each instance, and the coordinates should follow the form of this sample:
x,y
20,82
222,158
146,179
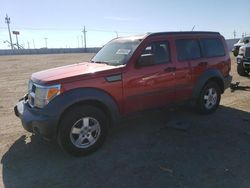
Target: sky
x,y
62,22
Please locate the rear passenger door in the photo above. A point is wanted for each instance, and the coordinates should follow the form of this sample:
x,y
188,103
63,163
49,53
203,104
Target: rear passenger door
x,y
189,66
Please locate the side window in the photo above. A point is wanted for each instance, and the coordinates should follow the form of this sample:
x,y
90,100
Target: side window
x,y
188,49
160,52
212,47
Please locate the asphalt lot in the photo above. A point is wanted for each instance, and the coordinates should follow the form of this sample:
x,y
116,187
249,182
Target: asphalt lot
x,y
166,147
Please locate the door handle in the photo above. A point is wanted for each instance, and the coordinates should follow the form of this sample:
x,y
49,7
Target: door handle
x,y
202,64
170,69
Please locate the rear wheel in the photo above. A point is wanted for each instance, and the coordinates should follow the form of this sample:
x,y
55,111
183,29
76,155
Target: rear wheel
x,y
82,130
241,71
209,98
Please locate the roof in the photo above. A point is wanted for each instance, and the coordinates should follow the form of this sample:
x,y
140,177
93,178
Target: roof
x,y
140,37
185,33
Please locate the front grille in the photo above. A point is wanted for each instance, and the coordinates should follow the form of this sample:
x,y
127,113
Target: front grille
x,y
33,88
247,53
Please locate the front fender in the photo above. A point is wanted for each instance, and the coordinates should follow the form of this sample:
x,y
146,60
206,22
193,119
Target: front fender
x,y
63,101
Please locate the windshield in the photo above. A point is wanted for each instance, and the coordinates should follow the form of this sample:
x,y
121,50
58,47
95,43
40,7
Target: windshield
x,y
244,39
116,52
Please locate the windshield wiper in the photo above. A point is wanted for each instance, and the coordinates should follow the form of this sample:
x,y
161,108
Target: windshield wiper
x,y
100,62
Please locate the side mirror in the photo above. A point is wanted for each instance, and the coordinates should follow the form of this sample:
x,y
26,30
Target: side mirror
x,y
146,60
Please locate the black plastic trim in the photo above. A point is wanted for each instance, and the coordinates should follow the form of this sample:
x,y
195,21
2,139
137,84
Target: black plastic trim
x,y
45,121
114,78
209,74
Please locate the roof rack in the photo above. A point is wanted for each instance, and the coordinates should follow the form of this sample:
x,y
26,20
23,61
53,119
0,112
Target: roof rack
x,y
184,33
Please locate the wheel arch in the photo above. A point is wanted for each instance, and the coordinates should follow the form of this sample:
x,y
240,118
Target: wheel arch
x,y
94,103
211,75
85,96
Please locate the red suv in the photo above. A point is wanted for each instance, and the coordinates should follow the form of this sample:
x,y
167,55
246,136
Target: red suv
x,y
77,104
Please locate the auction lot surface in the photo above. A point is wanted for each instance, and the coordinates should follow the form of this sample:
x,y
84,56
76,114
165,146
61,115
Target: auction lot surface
x,y
173,147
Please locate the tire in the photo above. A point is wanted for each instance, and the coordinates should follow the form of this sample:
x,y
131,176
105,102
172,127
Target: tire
x,y
82,130
235,52
209,98
241,71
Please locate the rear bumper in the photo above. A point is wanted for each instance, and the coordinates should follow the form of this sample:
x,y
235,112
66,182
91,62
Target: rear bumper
x,y
35,120
227,81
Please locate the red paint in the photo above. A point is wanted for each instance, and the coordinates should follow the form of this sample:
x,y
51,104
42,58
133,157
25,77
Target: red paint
x,y
143,87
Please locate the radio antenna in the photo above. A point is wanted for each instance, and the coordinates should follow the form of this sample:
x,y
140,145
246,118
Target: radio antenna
x,y
193,28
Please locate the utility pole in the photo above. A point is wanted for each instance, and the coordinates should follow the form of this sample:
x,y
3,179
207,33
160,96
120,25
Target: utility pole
x,y
234,34
28,44
84,33
7,20
45,39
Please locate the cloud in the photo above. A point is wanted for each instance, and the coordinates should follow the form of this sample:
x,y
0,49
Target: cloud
x,y
116,18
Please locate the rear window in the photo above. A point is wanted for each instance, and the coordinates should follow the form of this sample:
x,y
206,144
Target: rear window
x,y
188,49
212,47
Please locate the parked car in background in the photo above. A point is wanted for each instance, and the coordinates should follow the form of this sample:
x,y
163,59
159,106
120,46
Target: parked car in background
x,y
77,104
241,42
243,60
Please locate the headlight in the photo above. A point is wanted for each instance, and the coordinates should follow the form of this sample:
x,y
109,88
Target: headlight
x,y
40,96
242,50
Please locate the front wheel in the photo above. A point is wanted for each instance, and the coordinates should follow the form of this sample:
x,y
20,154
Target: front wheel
x,y
241,71
82,130
209,98
235,52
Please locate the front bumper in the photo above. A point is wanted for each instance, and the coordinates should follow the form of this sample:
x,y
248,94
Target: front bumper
x,y
36,120
245,61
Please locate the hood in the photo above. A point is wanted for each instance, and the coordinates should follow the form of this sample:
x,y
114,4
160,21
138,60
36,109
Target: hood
x,y
69,71
239,44
245,46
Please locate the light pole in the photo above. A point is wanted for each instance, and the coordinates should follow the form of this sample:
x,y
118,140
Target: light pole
x,y
116,34
34,46
7,20
16,33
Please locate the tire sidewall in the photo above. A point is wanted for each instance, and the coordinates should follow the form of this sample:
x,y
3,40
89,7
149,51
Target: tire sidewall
x,y
70,118
200,103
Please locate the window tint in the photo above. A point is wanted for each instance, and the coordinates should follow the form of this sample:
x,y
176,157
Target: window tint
x,y
160,51
212,47
188,49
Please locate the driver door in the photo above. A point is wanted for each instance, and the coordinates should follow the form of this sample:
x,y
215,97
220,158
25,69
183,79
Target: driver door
x,y
151,82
